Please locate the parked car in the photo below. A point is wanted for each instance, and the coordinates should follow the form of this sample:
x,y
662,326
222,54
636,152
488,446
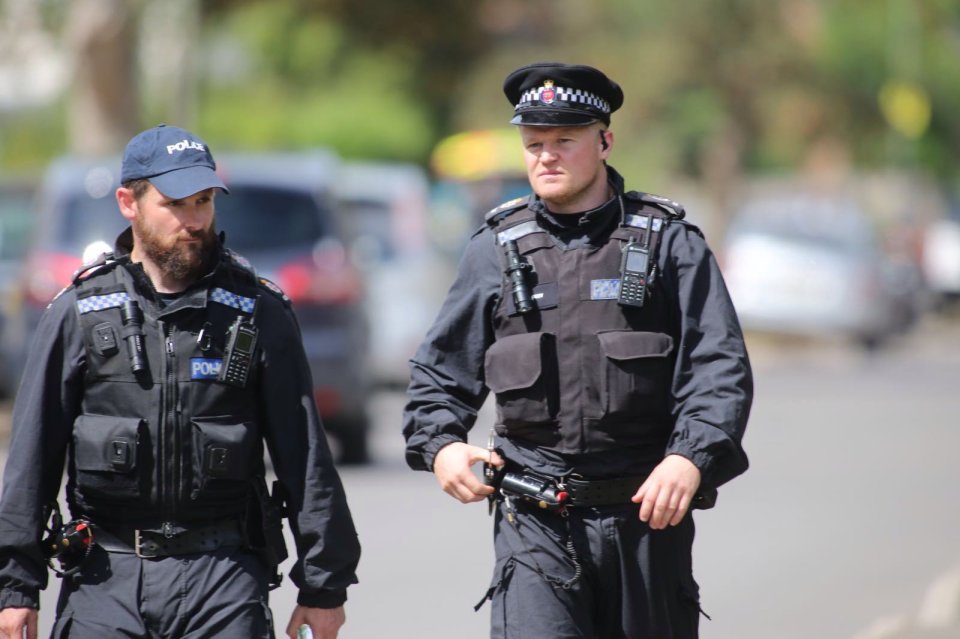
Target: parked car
x,y
279,215
941,258
810,266
384,207
16,220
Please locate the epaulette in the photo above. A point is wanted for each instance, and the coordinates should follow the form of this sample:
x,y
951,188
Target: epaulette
x,y
273,288
668,206
88,269
493,217
241,263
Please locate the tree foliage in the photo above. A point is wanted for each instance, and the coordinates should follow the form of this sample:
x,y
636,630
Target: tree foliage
x,y
713,89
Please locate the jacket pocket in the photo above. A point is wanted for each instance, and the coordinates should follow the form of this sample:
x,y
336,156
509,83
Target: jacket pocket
x,y
635,373
224,457
105,452
522,371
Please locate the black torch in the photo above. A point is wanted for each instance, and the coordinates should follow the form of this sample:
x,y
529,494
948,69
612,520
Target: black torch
x,y
516,273
132,318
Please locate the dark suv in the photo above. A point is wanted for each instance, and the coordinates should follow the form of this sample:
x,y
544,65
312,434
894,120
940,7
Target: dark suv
x,y
278,215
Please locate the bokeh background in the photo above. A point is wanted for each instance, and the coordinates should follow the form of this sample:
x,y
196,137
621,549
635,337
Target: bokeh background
x,y
816,143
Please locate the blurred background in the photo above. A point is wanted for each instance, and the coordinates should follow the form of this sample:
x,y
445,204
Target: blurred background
x,y
817,144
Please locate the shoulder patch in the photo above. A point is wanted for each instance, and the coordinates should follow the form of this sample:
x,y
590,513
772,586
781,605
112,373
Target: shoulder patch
x,y
62,291
241,262
505,209
668,206
273,288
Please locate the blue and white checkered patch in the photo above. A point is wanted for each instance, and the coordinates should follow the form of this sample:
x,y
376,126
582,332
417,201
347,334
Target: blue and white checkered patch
x,y
225,297
643,221
518,231
604,289
100,302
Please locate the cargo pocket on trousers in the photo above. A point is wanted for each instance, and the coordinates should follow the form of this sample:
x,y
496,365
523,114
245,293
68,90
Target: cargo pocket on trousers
x,y
501,578
223,459
105,454
635,373
522,372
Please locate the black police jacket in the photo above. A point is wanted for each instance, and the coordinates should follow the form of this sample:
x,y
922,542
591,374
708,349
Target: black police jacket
x,y
699,383
169,447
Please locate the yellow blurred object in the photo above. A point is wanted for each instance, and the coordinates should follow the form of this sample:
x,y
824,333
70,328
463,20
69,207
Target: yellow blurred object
x,y
478,155
906,106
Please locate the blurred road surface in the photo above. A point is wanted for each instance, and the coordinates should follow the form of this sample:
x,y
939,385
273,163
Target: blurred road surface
x,y
845,527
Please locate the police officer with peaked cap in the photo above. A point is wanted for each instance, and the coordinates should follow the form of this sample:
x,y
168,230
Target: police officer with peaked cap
x,y
599,319
157,376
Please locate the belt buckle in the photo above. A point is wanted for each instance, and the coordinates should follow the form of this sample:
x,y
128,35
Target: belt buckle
x,y
150,552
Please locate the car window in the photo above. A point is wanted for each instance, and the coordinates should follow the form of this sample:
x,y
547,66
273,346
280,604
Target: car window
x,y
253,217
16,222
258,217
87,220
368,223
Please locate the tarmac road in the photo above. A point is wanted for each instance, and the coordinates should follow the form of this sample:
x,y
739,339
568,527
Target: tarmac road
x,y
845,527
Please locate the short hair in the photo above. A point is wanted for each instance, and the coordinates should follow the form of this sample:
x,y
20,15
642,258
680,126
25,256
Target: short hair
x,y
139,187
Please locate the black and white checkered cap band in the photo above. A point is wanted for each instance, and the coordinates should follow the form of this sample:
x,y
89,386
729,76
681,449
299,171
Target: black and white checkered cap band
x,y
576,96
101,302
225,297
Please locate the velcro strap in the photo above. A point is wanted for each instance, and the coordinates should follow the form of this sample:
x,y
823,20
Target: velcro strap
x,y
602,492
149,544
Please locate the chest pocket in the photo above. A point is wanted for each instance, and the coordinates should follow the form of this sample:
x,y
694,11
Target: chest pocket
x,y
522,371
635,372
105,452
224,457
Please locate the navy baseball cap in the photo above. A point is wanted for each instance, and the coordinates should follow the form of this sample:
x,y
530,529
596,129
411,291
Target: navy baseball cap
x,y
175,161
557,94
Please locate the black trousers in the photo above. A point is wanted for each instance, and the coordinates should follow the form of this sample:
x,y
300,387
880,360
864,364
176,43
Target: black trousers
x,y
217,594
632,582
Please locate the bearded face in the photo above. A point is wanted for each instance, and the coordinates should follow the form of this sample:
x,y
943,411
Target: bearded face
x,y
185,256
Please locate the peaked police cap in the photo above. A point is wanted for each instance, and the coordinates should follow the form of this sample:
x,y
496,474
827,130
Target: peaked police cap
x,y
558,94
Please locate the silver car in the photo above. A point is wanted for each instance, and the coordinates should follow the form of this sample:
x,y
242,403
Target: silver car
x,y
806,265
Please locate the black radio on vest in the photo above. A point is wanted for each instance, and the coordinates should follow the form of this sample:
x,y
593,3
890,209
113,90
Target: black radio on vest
x,y
633,274
238,354
516,272
132,318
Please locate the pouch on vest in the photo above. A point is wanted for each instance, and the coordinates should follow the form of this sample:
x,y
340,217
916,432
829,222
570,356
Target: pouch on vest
x,y
522,371
223,459
635,371
105,456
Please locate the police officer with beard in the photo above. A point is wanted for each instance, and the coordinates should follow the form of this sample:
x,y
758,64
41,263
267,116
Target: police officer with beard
x,y
600,321
158,375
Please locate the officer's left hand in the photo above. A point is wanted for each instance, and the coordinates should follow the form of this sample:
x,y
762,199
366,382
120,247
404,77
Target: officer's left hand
x,y
666,495
324,622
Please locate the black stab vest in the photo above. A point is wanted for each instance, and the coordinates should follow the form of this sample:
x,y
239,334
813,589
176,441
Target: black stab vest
x,y
581,373
170,445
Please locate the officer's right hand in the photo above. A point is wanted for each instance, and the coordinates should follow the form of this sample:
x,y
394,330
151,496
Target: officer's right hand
x,y
14,620
452,466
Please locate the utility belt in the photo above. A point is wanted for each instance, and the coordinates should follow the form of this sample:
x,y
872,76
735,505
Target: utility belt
x,y
574,491
154,543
